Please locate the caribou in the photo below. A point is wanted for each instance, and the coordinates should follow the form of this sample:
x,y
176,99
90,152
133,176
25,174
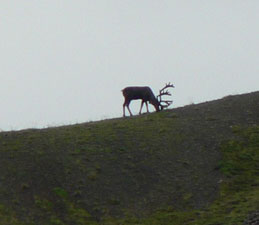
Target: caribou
x,y
146,95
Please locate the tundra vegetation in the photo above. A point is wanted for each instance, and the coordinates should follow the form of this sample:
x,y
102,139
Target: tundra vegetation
x,y
198,164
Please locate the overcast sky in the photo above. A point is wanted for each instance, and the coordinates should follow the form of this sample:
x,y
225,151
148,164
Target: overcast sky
x,y
65,62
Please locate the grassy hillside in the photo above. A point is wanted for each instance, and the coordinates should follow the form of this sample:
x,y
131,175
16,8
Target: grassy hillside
x,y
197,164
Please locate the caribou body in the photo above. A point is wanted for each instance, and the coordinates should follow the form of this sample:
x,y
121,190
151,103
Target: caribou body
x,y
146,95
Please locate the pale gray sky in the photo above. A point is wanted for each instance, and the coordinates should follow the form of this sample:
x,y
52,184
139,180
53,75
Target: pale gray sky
x,y
65,62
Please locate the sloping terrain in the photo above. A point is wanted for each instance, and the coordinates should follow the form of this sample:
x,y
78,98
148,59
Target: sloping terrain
x,y
171,167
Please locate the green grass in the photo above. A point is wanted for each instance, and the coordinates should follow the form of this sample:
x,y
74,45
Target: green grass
x,y
239,191
238,196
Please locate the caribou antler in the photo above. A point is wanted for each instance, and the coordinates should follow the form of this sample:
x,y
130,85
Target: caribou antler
x,y
163,92
168,103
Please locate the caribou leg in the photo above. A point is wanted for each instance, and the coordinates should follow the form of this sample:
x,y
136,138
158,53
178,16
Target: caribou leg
x,y
142,102
126,104
129,110
147,107
123,110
